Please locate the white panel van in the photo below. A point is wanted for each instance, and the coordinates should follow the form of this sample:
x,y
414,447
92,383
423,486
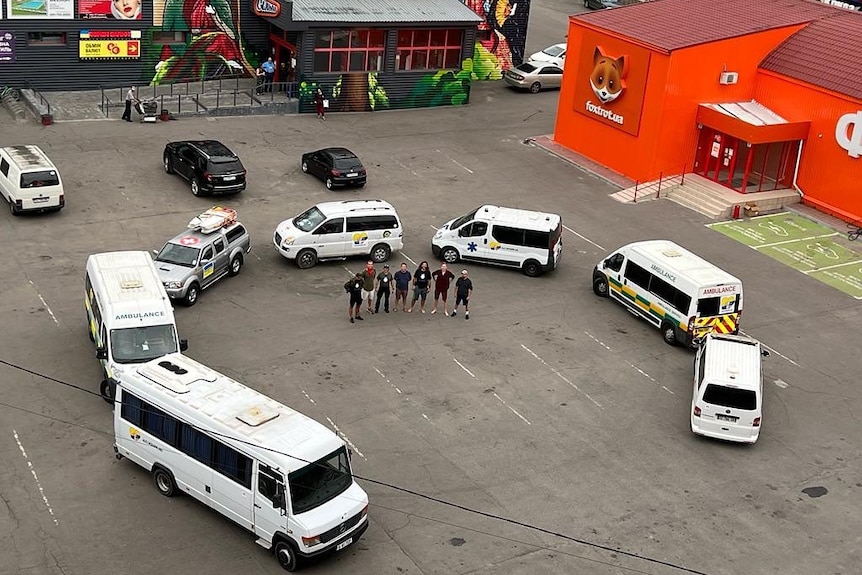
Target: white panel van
x,y
29,181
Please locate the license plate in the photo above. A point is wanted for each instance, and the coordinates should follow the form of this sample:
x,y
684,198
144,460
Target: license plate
x,y
352,175
40,200
229,178
729,418
344,544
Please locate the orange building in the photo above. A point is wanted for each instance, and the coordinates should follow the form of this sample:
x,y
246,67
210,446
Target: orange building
x,y
754,94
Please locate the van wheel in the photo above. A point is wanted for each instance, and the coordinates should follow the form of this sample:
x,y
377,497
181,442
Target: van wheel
x,y
108,390
532,268
668,332
164,482
169,168
380,253
535,87
196,187
329,183
286,555
449,255
235,266
600,287
192,295
306,259
12,209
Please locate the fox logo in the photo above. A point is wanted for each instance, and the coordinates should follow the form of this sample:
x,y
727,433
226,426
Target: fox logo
x,y
606,79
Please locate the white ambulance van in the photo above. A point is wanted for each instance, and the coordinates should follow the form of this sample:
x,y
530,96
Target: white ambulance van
x,y
728,388
521,239
129,313
680,293
29,181
280,475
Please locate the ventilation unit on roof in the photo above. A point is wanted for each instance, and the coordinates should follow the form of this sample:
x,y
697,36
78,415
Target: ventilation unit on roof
x,y
728,78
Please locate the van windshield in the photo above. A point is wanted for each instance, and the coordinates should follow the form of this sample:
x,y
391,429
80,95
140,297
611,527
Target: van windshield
x,y
40,179
319,482
179,255
732,397
309,219
141,344
458,222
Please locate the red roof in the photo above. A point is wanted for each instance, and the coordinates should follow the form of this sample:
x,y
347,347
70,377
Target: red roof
x,y
825,53
673,24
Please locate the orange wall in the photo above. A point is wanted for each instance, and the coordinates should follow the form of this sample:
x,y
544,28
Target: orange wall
x,y
676,84
830,179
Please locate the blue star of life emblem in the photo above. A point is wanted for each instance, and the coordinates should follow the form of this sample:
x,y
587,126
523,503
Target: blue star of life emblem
x,y
471,246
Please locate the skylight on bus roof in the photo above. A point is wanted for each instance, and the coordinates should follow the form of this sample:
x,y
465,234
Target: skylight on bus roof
x,y
257,415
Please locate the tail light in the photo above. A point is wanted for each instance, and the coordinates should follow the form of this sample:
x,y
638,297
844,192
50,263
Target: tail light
x,y
335,172
756,422
697,411
362,171
62,200
208,176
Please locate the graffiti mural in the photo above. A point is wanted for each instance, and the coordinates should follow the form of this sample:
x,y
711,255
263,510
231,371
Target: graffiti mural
x,y
214,44
503,31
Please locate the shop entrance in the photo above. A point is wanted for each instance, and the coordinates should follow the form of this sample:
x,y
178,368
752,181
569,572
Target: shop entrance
x,y
283,53
742,166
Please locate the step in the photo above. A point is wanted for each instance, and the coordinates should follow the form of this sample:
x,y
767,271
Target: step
x,y
710,211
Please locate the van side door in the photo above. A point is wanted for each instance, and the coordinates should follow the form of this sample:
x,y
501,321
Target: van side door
x,y
330,239
473,241
270,507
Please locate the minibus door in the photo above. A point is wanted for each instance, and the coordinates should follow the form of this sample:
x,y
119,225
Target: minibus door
x,y
613,268
270,509
473,241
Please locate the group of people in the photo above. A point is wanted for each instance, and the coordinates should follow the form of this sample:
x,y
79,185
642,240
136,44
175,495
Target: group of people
x,y
361,288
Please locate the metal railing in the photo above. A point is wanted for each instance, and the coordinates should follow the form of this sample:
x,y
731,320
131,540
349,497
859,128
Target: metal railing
x,y
44,104
648,186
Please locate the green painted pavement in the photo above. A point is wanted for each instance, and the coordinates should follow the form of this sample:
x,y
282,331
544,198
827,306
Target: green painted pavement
x,y
847,278
811,255
764,230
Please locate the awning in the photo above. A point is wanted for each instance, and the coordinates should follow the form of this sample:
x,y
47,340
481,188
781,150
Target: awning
x,y
752,122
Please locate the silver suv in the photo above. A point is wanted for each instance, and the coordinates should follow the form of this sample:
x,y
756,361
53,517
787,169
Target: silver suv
x,y
194,260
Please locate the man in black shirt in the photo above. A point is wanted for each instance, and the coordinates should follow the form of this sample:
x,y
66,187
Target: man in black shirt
x,y
421,281
463,291
354,288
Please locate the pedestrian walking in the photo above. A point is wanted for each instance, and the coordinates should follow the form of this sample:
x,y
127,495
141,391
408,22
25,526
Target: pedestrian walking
x,y
384,285
353,287
319,104
463,291
402,286
369,274
269,71
131,98
442,282
421,281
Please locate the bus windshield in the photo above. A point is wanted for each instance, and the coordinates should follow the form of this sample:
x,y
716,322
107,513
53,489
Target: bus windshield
x,y
319,482
141,344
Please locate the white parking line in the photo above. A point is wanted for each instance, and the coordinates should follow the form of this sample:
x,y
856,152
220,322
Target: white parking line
x,y
434,227
771,350
406,168
780,383
512,409
44,303
336,428
470,373
35,478
586,239
408,259
561,376
456,162
598,341
348,271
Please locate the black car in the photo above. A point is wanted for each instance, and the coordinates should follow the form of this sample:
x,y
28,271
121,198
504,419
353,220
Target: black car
x,y
335,166
208,165
601,4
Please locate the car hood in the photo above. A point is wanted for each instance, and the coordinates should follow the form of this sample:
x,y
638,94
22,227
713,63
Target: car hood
x,y
542,57
171,272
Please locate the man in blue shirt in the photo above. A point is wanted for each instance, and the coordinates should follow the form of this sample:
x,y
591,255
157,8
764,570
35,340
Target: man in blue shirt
x,y
269,71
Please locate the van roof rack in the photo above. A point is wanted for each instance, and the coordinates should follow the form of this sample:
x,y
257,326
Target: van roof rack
x,y
213,219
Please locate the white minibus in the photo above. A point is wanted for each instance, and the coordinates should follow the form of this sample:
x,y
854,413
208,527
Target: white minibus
x,y
29,181
275,472
680,293
130,317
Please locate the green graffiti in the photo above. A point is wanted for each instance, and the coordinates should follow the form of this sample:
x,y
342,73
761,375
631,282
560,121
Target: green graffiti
x,y
444,88
484,65
377,97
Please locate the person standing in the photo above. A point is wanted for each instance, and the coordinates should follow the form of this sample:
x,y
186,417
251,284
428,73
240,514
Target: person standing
x,y
260,80
421,281
463,291
269,71
318,103
353,287
442,282
384,285
131,98
402,286
368,276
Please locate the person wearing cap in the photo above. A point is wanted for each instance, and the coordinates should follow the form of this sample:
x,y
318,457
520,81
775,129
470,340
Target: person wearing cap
x,y
384,284
463,291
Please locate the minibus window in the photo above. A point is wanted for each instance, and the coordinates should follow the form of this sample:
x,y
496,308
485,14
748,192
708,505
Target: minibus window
x,y
732,397
533,239
637,275
319,482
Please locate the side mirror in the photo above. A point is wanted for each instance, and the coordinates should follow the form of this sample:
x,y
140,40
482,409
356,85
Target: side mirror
x,y
184,344
764,352
101,353
606,263
278,501
155,252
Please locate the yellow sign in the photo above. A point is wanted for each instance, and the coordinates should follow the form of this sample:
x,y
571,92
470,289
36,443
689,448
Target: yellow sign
x,y
105,49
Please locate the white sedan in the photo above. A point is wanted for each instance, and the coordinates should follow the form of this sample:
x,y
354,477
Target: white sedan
x,y
555,54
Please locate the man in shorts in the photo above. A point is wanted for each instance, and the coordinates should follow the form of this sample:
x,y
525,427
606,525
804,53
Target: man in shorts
x,y
369,274
463,291
354,289
402,286
442,282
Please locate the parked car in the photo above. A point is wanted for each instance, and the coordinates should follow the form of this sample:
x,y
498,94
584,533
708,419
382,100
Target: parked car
x,y
212,247
335,166
534,76
555,54
209,166
601,4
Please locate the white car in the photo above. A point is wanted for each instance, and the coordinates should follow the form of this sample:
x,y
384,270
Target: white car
x,y
555,54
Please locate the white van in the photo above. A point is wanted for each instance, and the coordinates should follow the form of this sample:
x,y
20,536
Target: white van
x,y
728,388
130,316
337,230
682,294
29,181
273,471
522,239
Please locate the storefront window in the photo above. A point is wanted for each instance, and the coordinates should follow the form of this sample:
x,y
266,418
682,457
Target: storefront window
x,y
429,49
46,38
349,50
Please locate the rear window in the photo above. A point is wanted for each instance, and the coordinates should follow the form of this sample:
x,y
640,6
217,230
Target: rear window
x,y
719,305
347,163
732,397
525,67
223,165
40,179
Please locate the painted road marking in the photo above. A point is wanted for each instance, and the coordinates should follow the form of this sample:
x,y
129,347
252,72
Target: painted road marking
x,y
500,399
561,376
44,303
35,478
398,390
408,259
336,428
771,350
586,239
780,383
406,168
802,244
455,162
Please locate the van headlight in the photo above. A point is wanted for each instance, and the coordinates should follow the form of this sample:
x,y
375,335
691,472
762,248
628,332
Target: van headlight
x,y
174,285
288,241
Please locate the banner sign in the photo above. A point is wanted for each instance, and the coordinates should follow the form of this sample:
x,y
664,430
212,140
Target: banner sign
x,y
109,45
47,9
109,9
7,47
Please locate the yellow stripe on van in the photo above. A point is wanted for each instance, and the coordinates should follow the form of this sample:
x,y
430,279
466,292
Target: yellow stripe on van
x,y
720,324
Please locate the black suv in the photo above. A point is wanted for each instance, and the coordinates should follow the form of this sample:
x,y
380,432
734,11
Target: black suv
x,y
208,165
335,166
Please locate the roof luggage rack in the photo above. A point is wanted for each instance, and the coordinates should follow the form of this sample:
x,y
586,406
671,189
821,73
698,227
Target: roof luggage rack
x,y
213,219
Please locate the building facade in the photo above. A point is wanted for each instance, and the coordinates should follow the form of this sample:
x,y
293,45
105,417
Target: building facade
x,y
756,103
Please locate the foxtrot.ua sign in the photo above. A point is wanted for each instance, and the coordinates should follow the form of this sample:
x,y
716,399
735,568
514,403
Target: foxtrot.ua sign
x,y
848,133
